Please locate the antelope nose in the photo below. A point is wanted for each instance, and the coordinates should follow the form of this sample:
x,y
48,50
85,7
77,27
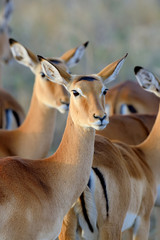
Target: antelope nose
x,y
99,117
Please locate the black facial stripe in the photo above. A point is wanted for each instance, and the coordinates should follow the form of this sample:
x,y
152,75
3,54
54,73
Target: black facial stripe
x,y
85,212
102,181
87,78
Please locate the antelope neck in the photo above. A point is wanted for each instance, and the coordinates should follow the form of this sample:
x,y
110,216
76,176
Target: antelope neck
x,y
40,118
74,157
151,147
37,132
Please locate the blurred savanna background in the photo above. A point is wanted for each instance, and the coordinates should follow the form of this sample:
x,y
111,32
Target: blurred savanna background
x,y
51,27
113,27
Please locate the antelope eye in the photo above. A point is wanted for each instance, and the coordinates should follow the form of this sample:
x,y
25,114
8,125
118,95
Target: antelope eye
x,y
105,91
42,74
75,93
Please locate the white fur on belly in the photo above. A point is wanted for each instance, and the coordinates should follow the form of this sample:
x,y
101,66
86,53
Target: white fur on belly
x,y
128,221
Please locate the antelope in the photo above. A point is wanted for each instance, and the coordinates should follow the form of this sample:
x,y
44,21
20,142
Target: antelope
x,y
37,130
123,187
130,129
128,97
9,107
149,82
36,193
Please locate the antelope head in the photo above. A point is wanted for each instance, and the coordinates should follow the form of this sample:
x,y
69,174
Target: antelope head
x,y
51,94
87,92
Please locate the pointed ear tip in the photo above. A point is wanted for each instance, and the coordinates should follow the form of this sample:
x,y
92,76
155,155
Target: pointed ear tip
x,y
86,44
126,55
12,41
137,69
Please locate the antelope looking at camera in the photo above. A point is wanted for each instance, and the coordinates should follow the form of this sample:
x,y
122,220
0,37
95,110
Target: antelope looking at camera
x,y
44,190
122,188
38,128
9,107
128,97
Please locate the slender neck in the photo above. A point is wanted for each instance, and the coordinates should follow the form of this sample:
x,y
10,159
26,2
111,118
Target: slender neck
x,y
74,159
151,147
37,131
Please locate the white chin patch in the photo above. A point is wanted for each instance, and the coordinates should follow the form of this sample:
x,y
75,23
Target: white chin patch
x,y
63,108
99,127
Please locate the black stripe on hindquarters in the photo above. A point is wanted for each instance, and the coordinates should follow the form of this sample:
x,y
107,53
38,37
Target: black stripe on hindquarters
x,y
17,118
8,116
102,181
85,212
89,182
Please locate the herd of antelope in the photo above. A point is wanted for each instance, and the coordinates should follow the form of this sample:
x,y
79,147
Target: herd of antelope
x,y
103,181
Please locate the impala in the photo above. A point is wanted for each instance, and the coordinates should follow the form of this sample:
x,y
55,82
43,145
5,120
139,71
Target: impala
x,y
37,130
122,188
36,194
9,107
128,97
131,129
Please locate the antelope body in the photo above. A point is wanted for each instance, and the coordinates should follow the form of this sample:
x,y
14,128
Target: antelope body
x,y
36,194
131,129
123,186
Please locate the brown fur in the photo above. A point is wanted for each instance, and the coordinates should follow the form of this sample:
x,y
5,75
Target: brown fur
x,y
37,131
136,194
125,167
39,193
129,92
131,129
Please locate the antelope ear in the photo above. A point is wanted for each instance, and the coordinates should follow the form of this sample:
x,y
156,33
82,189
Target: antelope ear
x,y
54,73
74,55
22,55
110,72
147,80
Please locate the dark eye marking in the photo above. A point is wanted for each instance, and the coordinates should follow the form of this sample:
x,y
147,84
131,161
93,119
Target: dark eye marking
x,y
42,75
75,93
105,91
